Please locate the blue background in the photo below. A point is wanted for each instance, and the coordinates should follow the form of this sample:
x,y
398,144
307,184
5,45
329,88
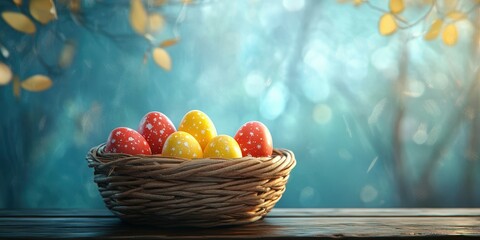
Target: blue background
x,y
317,73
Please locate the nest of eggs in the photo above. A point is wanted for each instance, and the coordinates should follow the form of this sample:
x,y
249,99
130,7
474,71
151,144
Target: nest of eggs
x,y
174,192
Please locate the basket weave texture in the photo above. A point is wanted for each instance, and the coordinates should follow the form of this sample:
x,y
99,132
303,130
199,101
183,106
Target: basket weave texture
x,y
174,192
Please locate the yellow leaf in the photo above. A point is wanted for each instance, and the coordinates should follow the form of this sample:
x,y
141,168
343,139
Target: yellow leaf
x,y
357,2
387,24
155,22
449,5
162,58
434,30
450,35
157,3
37,83
17,2
66,56
5,74
187,1
169,42
396,6
456,15
43,10
16,87
19,22
138,16
74,5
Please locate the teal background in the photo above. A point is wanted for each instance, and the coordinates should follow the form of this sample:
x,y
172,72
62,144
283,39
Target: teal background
x,y
317,73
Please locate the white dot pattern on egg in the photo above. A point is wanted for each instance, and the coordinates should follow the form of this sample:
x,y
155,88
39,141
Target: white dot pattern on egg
x,y
223,146
199,125
254,139
155,127
125,140
183,145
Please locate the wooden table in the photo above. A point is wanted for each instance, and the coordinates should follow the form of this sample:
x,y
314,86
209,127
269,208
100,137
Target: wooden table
x,y
280,223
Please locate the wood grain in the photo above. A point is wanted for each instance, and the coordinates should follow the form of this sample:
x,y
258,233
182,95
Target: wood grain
x,y
280,223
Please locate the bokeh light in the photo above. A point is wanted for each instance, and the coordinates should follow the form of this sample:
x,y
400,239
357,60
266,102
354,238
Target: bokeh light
x,y
352,105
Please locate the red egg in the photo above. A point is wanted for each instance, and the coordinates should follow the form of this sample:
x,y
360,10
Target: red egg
x,y
254,140
155,127
126,140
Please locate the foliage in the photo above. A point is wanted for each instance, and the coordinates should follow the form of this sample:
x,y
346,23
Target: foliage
x,y
441,17
438,19
144,18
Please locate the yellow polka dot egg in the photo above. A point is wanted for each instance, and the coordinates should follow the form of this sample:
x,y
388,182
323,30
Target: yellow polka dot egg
x,y
196,138
199,125
182,145
222,146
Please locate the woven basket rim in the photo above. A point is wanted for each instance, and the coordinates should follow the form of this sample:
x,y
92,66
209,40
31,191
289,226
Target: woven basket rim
x,y
99,149
280,163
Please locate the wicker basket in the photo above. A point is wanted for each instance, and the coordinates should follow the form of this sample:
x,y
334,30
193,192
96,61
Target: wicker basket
x,y
174,192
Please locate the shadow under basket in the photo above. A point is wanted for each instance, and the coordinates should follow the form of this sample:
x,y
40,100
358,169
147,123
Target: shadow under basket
x,y
175,192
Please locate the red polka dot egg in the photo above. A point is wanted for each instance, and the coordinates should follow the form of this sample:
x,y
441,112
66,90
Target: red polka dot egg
x,y
126,140
155,127
254,140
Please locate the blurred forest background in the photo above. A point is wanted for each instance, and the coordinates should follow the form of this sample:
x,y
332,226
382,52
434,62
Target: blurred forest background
x,y
379,100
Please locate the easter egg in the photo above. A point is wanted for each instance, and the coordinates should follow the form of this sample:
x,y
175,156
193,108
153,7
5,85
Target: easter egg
x,y
182,145
155,127
222,146
254,140
126,140
199,125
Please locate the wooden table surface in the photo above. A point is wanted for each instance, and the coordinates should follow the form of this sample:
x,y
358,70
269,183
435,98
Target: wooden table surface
x,y
280,223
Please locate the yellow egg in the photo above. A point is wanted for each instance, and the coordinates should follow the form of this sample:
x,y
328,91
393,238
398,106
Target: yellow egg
x,y
199,125
222,146
183,145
